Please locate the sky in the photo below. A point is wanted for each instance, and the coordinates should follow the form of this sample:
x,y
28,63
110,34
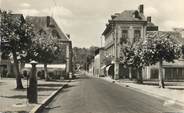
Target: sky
x,y
85,20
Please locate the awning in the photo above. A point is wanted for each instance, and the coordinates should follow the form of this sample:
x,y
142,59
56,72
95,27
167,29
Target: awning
x,y
108,67
103,67
49,66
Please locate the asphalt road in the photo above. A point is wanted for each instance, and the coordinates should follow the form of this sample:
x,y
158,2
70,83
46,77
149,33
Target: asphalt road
x,y
92,95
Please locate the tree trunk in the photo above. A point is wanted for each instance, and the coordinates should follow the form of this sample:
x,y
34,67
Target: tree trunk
x,y
46,72
139,76
17,72
130,73
161,79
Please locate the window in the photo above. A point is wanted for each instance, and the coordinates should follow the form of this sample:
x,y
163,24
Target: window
x,y
154,73
137,35
124,37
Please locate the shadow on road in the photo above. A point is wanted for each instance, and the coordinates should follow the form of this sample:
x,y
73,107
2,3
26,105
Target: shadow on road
x,y
15,96
176,88
46,89
50,85
16,112
68,86
53,107
1,83
155,83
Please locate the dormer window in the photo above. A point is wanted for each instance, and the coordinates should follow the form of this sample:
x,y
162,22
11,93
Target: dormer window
x,y
136,15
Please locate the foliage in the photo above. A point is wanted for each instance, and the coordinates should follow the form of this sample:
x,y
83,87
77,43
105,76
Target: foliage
x,y
15,33
159,47
16,39
44,48
83,56
152,49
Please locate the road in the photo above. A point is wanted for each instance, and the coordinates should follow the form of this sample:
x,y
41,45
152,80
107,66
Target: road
x,y
92,95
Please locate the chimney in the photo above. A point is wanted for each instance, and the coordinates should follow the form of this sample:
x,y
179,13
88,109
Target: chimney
x,y
117,14
48,21
113,16
68,35
149,19
136,14
141,8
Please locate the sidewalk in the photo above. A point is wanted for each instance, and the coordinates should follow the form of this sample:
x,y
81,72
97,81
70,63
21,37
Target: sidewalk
x,y
15,101
172,93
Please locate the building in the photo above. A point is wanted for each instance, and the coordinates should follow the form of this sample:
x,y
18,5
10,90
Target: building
x,y
123,30
40,25
91,67
48,24
173,70
98,64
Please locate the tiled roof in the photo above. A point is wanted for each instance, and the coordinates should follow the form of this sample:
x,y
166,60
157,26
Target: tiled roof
x,y
46,23
164,34
129,15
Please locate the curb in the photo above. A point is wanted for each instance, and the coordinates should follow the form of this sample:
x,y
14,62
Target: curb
x,y
146,92
39,108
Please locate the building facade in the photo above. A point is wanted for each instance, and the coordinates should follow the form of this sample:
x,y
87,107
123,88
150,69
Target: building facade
x,y
172,70
47,24
126,28
98,64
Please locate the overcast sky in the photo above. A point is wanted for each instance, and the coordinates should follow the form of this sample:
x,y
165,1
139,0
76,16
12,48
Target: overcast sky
x,y
85,20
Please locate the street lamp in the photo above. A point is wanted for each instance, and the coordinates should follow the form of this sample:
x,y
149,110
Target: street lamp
x,y
32,90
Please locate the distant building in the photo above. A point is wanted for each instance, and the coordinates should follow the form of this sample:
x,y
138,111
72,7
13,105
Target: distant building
x,y
179,30
91,67
98,64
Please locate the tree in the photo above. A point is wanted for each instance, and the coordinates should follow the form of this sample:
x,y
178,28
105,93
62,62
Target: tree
x,y
158,47
83,56
17,34
132,58
45,49
128,56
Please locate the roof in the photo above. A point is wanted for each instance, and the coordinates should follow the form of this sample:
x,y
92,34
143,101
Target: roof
x,y
46,23
125,16
164,34
129,15
151,27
